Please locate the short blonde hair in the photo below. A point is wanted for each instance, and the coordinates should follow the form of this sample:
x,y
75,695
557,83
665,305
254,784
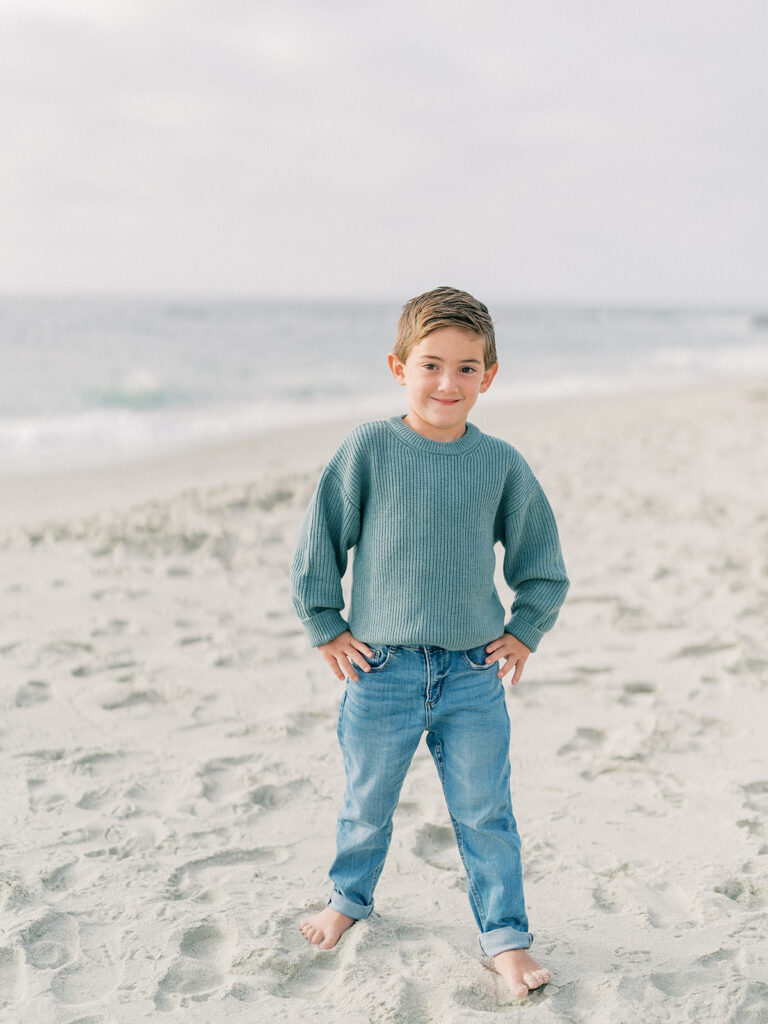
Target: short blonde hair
x,y
444,307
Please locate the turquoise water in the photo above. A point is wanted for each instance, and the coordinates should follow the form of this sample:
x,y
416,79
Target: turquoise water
x,y
91,381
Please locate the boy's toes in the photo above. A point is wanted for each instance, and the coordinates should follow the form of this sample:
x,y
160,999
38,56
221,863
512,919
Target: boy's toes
x,y
519,989
535,979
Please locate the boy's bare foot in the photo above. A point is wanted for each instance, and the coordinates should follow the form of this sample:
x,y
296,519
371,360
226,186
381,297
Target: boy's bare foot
x,y
520,971
326,928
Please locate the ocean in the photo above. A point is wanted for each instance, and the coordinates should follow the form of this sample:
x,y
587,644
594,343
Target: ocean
x,y
93,381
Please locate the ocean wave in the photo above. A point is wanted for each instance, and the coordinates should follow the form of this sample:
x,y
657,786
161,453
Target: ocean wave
x,y
103,382
104,436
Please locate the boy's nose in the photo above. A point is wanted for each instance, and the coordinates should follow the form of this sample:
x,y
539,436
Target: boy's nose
x,y
446,384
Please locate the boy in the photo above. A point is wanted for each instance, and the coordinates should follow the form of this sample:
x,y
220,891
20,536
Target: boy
x,y
423,498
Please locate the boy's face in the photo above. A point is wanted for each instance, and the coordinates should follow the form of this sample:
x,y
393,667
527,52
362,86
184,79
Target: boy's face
x,y
443,375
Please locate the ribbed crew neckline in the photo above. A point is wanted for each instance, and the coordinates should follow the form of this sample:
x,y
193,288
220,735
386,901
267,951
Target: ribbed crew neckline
x,y
468,440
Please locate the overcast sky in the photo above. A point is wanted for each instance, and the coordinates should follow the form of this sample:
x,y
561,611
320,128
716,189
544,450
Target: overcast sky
x,y
552,150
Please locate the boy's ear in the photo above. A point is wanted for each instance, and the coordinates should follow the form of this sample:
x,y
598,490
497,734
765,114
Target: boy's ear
x,y
488,376
397,368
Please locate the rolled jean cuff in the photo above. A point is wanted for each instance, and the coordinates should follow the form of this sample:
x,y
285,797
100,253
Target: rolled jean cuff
x,y
346,906
499,939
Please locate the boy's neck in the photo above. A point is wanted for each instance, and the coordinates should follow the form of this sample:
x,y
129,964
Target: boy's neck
x,y
433,433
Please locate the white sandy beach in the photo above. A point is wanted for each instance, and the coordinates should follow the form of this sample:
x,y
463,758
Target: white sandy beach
x,y
171,774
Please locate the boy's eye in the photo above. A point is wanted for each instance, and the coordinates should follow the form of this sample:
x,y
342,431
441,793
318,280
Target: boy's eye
x,y
467,370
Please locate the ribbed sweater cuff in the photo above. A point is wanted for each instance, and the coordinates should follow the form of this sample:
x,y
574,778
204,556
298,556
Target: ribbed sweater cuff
x,y
324,627
524,631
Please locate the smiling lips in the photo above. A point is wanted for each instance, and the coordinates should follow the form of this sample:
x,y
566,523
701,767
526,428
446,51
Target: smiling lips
x,y
446,401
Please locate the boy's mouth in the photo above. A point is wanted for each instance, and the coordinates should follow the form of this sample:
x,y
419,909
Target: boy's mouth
x,y
446,401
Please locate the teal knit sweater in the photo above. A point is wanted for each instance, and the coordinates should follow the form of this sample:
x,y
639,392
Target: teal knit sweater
x,y
423,517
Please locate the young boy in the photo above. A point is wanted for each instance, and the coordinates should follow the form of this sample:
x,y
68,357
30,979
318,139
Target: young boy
x,y
423,498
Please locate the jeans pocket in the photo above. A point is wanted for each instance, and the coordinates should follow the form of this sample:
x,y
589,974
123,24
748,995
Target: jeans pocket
x,y
475,657
379,658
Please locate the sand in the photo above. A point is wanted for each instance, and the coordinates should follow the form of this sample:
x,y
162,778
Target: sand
x,y
171,773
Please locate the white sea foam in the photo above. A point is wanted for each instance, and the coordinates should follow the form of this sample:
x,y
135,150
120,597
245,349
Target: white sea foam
x,y
93,382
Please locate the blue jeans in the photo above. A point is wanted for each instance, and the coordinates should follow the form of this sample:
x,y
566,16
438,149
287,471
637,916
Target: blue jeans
x,y
459,702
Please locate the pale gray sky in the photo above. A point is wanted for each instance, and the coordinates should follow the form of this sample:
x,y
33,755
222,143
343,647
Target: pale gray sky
x,y
556,150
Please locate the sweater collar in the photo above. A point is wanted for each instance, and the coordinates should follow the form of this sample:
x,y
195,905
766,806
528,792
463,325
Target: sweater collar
x,y
468,440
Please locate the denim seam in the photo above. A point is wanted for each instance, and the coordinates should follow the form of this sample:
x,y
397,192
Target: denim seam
x,y
339,723
380,868
427,708
459,837
376,873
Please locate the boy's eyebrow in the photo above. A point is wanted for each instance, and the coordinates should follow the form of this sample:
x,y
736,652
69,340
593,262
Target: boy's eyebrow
x,y
439,359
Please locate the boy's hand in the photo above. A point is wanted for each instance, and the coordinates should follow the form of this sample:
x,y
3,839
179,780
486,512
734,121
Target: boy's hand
x,y
341,652
514,651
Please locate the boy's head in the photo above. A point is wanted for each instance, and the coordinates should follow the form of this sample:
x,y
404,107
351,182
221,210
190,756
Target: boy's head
x,y
445,356
444,307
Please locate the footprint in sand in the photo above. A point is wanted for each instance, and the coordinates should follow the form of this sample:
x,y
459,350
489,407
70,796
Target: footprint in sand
x,y
110,666
583,739
74,875
436,846
288,966
11,975
43,795
756,796
51,942
117,594
86,982
221,779
638,689
295,723
187,641
33,692
199,969
271,797
97,969
755,827
134,698
66,649
102,762
188,881
114,627
743,890
659,903
92,1018
698,978
489,992
99,799
701,650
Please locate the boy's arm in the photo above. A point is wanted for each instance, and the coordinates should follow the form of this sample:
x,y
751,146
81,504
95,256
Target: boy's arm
x,y
533,567
330,528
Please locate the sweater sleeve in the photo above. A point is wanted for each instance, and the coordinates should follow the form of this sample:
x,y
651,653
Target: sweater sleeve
x,y
330,528
533,566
